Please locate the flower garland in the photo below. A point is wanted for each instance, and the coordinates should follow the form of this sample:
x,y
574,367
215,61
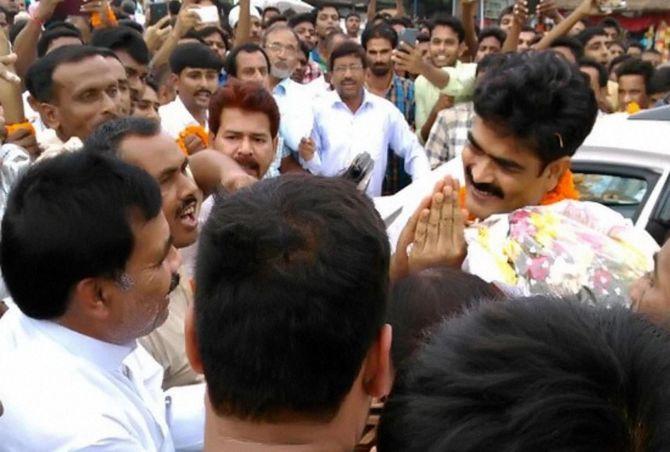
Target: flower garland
x,y
198,131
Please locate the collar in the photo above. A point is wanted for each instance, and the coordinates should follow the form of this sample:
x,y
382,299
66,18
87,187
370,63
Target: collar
x,y
181,109
283,87
103,354
337,100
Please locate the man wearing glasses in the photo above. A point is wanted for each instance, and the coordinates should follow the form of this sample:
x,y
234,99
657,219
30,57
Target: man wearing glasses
x,y
350,120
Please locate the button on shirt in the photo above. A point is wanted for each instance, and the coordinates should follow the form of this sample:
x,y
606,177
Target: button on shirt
x,y
175,117
64,391
341,135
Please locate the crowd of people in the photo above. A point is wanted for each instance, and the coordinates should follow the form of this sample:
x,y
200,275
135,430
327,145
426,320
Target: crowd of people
x,y
193,256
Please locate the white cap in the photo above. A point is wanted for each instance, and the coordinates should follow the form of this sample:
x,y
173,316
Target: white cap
x,y
234,14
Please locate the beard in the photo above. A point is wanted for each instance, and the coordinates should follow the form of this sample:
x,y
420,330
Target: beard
x,y
280,73
380,69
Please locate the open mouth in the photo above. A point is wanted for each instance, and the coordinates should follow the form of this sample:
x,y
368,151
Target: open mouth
x,y
187,216
203,95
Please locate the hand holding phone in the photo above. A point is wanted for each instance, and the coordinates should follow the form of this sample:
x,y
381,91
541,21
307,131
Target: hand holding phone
x,y
408,36
157,11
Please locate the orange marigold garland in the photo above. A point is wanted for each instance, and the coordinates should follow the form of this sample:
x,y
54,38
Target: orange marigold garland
x,y
11,128
198,131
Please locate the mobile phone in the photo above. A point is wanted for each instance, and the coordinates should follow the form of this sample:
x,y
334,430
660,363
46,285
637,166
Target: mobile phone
x,y
532,7
408,36
610,6
208,14
157,11
67,8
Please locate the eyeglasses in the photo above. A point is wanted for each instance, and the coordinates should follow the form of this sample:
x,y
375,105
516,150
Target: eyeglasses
x,y
344,69
276,47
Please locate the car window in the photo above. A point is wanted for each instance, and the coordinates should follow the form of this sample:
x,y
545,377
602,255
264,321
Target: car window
x,y
621,193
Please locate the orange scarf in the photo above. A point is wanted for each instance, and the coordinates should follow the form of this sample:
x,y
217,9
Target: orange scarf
x,y
565,189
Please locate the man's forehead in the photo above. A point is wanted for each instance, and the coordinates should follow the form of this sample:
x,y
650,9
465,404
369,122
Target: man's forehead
x,y
444,31
242,121
281,35
89,72
500,144
597,39
154,153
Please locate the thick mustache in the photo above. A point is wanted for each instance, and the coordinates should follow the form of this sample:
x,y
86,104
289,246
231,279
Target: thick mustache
x,y
486,188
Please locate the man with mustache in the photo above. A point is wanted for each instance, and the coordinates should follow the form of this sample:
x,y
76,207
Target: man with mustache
x,y
195,74
89,275
350,120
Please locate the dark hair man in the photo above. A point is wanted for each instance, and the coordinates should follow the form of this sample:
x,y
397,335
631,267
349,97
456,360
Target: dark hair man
x,y
597,77
633,77
616,48
132,51
147,106
103,254
304,27
595,42
272,281
249,63
506,19
635,48
526,38
216,39
590,378
490,41
74,90
57,37
343,121
352,23
612,28
650,294
380,79
195,74
327,22
268,13
568,47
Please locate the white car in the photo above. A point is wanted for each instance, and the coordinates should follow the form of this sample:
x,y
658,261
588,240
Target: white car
x,y
624,163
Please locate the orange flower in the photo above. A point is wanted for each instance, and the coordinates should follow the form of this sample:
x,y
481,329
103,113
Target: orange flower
x,y
565,189
11,128
97,20
198,131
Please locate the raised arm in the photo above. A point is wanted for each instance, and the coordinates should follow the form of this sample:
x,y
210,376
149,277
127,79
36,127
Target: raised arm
x,y
372,10
520,17
243,28
186,20
25,44
469,9
586,8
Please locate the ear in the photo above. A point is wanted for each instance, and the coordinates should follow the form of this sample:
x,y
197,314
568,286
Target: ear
x,y
173,79
377,372
462,47
275,143
555,170
49,114
192,340
91,298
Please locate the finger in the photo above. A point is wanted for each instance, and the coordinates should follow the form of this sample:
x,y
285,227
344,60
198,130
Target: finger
x,y
8,59
408,233
432,234
161,23
421,230
447,217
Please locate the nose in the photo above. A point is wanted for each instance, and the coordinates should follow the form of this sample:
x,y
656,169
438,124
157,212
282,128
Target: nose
x,y
245,147
110,106
482,171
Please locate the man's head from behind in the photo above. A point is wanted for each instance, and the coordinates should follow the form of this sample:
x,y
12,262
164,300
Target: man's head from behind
x,y
195,73
293,271
53,38
535,374
570,48
91,231
74,89
597,76
532,113
141,142
244,119
633,77
132,51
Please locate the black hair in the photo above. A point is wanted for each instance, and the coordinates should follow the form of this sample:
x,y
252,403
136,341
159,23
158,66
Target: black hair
x,y
69,219
273,20
174,6
209,30
15,29
194,55
278,264
620,44
660,81
448,21
422,37
131,24
270,8
509,10
122,38
588,34
51,35
345,49
602,71
301,18
231,58
618,60
304,48
493,32
535,374
636,44
381,31
404,21
39,77
610,22
636,66
420,301
491,62
540,99
324,5
352,14
576,47
107,137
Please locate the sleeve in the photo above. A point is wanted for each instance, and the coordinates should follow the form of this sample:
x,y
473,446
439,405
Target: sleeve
x,y
185,413
461,81
437,146
314,165
406,145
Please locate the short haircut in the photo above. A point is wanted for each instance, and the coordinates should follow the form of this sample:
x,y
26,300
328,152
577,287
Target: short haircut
x,y
618,60
275,19
404,21
122,38
448,21
493,32
346,49
636,44
194,55
660,81
636,66
276,28
420,301
51,35
491,62
107,137
507,11
325,5
602,71
131,24
381,31
67,219
294,272
39,77
210,30
535,374
620,44
301,18
542,100
576,47
231,58
586,35
270,8
247,96
330,37
610,22
352,14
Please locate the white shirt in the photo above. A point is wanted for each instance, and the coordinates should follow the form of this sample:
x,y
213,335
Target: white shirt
x,y
64,391
294,101
175,117
376,126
